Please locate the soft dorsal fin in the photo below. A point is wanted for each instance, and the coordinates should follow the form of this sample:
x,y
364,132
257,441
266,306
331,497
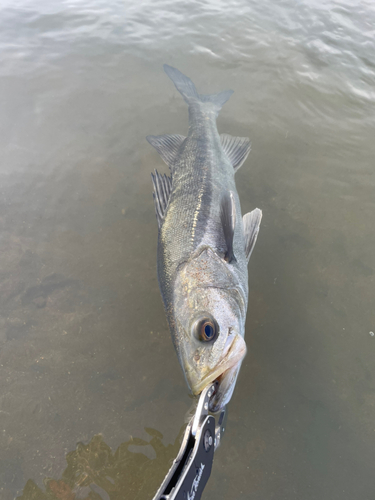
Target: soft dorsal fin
x,y
228,221
162,190
167,146
251,223
236,148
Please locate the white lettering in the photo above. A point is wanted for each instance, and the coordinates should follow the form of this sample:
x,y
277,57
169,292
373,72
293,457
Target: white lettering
x,y
196,481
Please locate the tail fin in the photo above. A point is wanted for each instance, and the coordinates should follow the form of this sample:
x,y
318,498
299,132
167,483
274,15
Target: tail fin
x,y
182,83
188,91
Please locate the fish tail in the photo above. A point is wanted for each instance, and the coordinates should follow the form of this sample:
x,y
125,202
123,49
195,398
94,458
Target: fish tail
x,y
188,91
182,83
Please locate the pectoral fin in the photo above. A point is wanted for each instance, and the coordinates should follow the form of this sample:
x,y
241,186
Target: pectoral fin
x,y
167,146
251,223
162,190
228,221
236,148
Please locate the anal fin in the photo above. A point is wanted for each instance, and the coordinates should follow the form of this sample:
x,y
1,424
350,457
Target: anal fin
x,y
228,221
251,224
162,190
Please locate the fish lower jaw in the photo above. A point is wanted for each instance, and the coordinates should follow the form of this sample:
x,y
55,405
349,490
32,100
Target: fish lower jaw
x,y
225,387
219,372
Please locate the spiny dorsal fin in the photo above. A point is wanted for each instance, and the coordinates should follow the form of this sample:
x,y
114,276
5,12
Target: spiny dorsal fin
x,y
228,221
162,190
236,148
251,223
167,146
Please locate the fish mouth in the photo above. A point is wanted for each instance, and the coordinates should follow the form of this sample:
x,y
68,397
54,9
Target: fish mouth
x,y
225,385
226,369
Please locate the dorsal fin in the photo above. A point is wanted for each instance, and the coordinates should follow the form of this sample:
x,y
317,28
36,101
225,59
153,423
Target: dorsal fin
x,y
228,221
251,223
236,148
167,146
162,190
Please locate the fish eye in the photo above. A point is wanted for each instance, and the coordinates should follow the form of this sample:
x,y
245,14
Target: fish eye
x,y
206,329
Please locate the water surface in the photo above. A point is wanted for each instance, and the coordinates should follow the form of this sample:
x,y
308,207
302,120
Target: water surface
x,y
85,353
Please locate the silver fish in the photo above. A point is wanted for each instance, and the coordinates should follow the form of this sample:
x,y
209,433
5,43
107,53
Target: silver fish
x,y
204,244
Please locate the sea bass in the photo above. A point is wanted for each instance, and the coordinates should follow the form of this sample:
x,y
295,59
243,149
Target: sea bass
x,y
204,244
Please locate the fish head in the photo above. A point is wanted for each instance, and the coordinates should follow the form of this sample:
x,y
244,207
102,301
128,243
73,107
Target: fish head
x,y
209,325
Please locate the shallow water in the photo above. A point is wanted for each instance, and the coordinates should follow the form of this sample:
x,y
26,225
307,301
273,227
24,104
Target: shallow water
x,y
84,344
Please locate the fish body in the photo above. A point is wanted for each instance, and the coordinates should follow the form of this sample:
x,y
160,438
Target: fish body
x,y
204,244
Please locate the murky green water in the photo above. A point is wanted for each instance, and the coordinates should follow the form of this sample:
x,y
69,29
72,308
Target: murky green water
x,y
84,344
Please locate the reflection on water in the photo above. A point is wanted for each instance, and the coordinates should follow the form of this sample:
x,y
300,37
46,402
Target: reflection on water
x,y
94,472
